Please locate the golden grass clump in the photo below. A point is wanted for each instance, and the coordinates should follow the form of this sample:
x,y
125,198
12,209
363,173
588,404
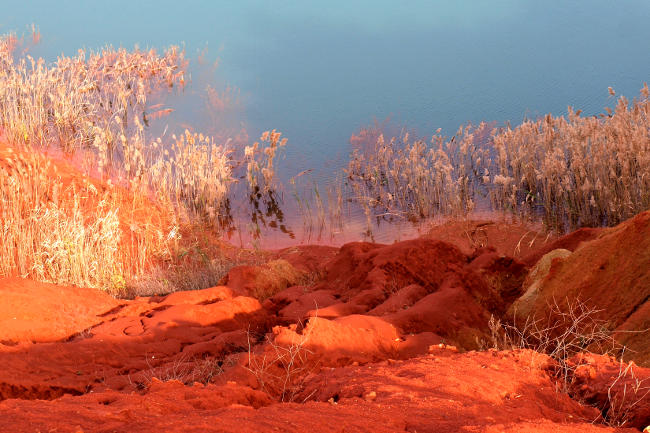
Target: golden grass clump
x,y
260,158
94,107
570,171
413,179
48,235
192,174
577,171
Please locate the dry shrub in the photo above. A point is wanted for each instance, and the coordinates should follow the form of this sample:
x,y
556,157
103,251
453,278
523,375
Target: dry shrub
x,y
566,333
184,369
622,399
566,329
281,370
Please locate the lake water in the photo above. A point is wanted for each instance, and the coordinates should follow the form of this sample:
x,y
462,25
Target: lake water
x,y
319,71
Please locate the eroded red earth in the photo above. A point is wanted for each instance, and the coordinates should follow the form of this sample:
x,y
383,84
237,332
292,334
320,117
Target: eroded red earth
x,y
363,338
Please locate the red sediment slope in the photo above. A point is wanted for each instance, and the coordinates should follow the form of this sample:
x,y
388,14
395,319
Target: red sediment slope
x,y
364,338
40,312
440,392
611,273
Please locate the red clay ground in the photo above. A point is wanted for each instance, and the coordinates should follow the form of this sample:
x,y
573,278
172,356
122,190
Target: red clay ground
x,y
610,273
365,338
362,338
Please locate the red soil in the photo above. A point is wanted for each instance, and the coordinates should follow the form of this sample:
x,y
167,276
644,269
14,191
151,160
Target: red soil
x,y
569,242
442,392
40,312
622,390
367,337
509,239
610,273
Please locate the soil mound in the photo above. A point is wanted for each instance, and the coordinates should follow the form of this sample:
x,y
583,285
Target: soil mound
x,y
621,390
610,273
338,342
422,286
367,337
39,312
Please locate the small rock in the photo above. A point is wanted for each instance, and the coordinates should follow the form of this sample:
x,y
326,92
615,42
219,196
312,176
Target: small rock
x,y
443,347
370,396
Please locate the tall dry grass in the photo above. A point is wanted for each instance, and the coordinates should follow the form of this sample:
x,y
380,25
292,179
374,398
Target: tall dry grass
x,y
410,178
570,171
48,231
577,171
96,108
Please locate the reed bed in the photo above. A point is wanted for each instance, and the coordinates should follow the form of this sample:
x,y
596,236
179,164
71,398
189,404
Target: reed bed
x,y
91,99
577,171
570,171
96,108
411,179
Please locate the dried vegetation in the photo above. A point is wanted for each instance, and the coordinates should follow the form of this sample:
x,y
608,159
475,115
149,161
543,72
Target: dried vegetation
x,y
571,171
96,109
